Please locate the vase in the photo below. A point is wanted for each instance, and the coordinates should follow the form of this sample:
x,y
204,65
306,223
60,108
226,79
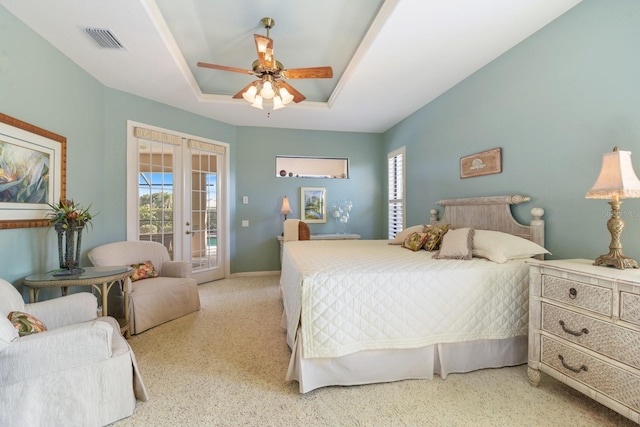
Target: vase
x,y
69,244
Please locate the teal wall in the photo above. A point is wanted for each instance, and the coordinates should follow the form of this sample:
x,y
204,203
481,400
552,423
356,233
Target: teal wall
x,y
40,86
258,249
555,103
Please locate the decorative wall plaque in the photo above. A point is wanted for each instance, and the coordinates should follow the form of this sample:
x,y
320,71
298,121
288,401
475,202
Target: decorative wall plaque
x,y
483,163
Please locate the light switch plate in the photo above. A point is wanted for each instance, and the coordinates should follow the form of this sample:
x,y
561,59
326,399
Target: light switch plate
x,y
245,200
245,222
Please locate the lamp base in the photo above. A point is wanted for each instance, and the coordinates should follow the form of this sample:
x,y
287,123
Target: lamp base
x,y
615,225
615,258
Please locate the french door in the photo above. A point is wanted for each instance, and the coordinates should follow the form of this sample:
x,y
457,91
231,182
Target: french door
x,y
176,196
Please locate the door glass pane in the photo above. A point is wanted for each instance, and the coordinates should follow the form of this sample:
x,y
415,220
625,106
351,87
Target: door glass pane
x,y
155,193
204,212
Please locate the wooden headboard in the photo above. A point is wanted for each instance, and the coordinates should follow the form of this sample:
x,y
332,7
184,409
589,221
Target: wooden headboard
x,y
491,213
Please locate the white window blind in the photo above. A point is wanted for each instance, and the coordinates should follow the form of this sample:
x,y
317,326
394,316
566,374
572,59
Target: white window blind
x,y
396,191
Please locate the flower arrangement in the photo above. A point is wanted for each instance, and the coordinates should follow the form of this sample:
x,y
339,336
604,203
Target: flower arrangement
x,y
66,214
69,219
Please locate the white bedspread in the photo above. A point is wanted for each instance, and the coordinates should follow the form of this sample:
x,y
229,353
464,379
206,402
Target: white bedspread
x,y
352,295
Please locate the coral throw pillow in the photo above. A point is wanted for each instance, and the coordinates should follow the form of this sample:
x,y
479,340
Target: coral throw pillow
x,y
144,270
25,323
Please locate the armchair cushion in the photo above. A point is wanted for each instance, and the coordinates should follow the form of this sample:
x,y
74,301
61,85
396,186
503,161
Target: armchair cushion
x,y
10,298
176,269
73,346
25,323
129,253
58,312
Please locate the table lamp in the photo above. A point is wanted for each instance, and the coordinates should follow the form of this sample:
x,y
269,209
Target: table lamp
x,y
285,209
617,181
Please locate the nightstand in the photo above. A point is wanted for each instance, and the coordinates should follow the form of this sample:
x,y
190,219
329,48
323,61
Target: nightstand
x,y
584,330
337,236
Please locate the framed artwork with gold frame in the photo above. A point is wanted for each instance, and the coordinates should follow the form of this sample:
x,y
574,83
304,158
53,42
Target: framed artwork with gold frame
x,y
32,173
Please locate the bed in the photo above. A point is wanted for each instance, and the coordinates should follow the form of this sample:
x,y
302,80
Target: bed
x,y
365,311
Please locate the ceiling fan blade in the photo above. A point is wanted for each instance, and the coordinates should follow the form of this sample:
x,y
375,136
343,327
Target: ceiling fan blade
x,y
308,73
244,89
225,68
297,96
264,47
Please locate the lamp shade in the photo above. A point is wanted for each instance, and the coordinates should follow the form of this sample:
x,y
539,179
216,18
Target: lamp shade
x,y
617,178
257,102
250,94
277,103
285,209
267,91
285,95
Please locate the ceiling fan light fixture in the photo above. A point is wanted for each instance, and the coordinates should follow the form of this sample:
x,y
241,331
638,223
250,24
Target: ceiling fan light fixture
x,y
285,96
267,91
257,103
269,73
277,103
250,94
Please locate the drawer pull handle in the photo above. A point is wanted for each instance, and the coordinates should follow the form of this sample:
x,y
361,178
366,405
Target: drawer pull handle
x,y
574,333
576,370
573,293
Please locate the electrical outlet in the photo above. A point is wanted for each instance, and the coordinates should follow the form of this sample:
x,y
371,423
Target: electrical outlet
x,y
245,222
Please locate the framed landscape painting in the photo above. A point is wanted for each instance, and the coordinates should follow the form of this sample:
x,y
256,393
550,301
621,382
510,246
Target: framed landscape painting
x,y
32,173
313,204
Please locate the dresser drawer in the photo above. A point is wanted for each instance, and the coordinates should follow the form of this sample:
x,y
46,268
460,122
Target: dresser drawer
x,y
578,294
630,308
616,383
613,341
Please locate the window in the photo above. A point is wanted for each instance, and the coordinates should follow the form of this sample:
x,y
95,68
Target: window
x,y
395,161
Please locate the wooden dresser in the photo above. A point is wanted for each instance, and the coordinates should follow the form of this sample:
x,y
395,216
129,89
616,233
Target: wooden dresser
x,y
584,330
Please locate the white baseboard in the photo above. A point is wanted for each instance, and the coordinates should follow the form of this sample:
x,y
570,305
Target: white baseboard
x,y
255,273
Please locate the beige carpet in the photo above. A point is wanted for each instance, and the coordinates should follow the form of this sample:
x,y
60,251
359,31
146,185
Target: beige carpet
x,y
225,366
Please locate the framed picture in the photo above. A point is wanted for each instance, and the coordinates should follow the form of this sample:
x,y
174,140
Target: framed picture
x,y
483,163
32,173
313,204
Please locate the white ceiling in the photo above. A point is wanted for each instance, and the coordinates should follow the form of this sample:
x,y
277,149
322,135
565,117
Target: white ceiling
x,y
389,57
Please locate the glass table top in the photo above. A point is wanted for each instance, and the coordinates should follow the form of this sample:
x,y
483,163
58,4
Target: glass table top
x,y
88,273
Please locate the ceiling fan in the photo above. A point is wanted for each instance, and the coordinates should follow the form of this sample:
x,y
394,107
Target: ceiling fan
x,y
271,75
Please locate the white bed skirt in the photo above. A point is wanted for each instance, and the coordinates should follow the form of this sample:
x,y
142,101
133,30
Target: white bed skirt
x,y
377,366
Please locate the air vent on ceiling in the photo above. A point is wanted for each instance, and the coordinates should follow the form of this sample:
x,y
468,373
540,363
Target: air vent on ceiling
x,y
104,38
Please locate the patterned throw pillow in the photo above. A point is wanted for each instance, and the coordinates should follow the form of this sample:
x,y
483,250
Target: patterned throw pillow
x,y
25,323
414,241
144,270
434,236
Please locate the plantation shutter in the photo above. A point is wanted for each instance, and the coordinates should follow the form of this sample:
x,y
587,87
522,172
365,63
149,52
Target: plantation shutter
x,y
396,191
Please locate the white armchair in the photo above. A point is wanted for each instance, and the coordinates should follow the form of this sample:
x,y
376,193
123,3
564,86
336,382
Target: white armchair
x,y
80,371
155,300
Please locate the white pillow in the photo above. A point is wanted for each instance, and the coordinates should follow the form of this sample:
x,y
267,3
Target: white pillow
x,y
456,244
399,239
500,247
